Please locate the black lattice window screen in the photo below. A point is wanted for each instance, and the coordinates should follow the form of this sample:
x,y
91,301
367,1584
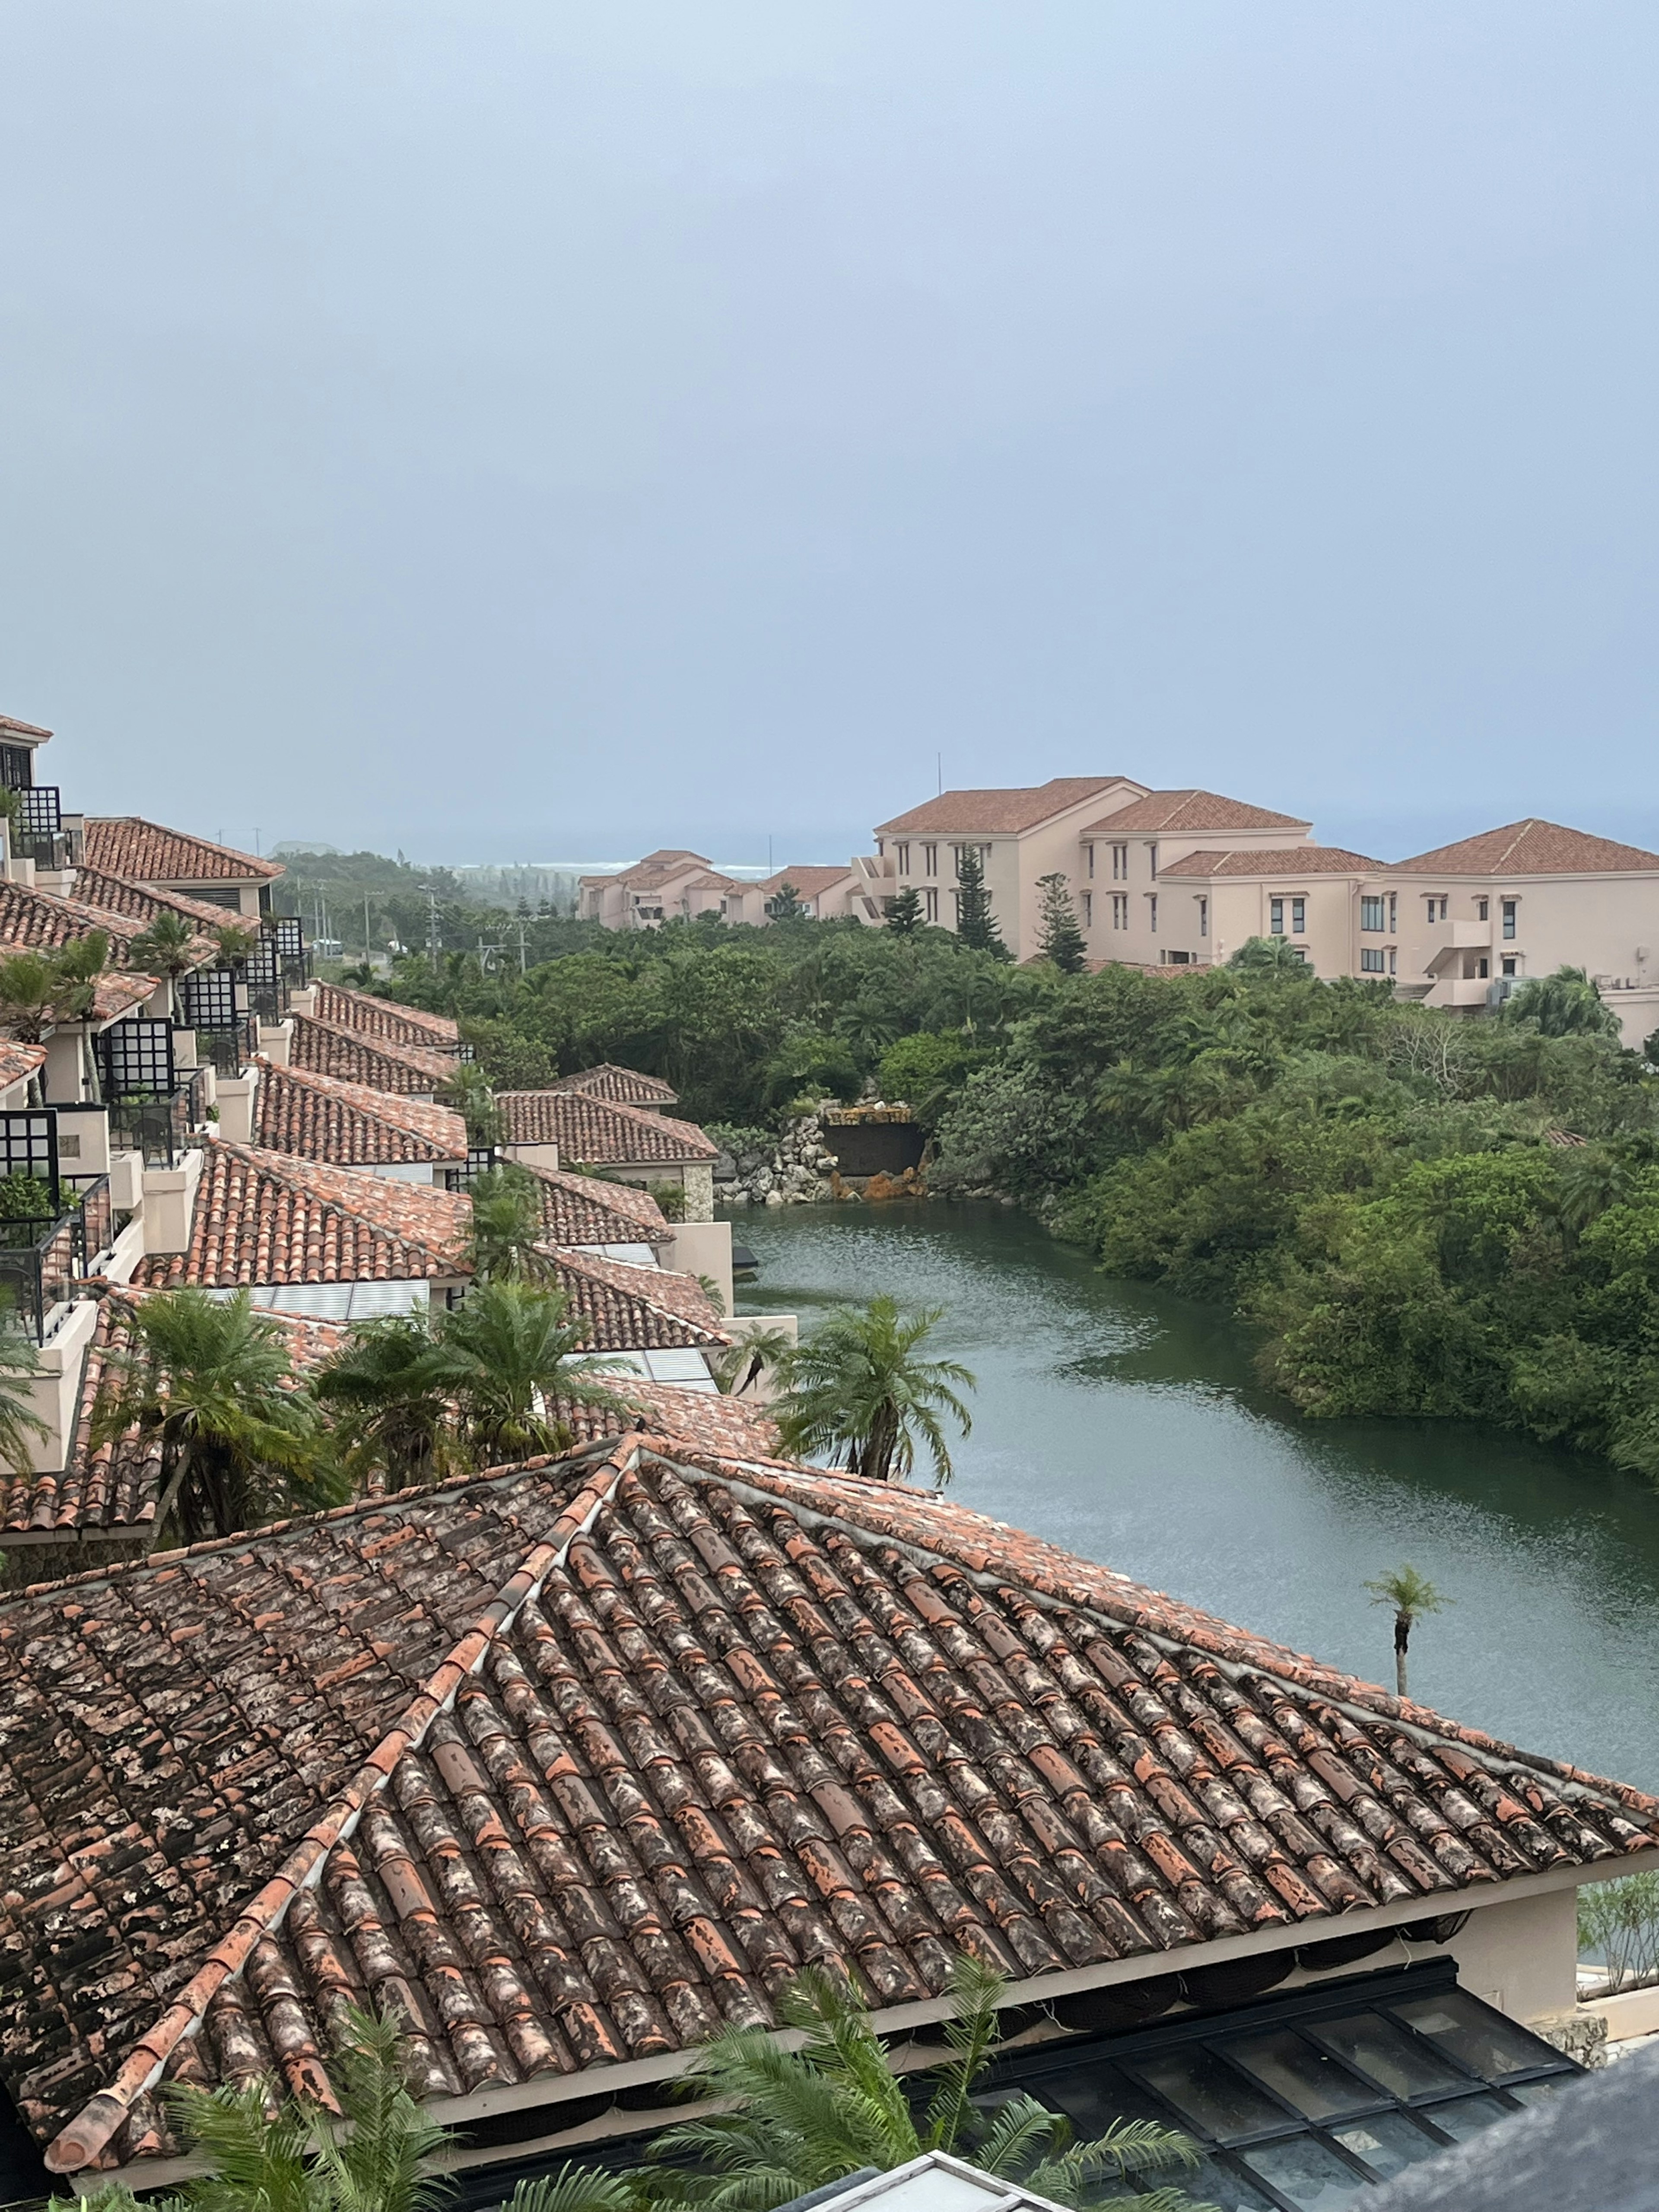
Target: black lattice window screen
x,y
264,962
28,1146
137,1058
16,767
210,999
39,814
289,932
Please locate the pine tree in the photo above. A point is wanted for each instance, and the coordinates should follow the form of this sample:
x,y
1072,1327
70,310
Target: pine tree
x,y
904,912
975,923
1058,938
785,905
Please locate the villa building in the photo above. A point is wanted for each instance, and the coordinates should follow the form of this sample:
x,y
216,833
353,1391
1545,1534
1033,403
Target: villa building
x,y
621,1086
669,885
578,1761
166,859
572,1128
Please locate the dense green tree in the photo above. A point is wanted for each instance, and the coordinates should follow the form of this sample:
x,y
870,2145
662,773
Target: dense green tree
x,y
1269,956
977,924
903,912
1565,1004
505,1359
785,905
1058,938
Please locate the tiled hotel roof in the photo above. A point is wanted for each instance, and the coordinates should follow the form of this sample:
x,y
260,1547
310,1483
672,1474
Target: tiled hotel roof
x,y
117,994
622,1086
270,1218
18,1061
1531,848
40,921
9,724
384,1019
295,1110
985,812
126,845
808,883
351,1057
109,1490
1175,811
136,902
1285,861
580,1761
630,1308
653,864
598,1132
582,1209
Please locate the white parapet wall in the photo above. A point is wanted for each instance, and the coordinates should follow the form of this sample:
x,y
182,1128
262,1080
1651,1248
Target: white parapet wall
x,y
54,1388
704,1247
169,1204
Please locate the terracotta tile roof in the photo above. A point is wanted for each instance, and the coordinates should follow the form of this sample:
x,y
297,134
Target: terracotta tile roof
x,y
115,994
352,1058
583,1210
598,1132
9,722
270,1218
126,845
631,1308
974,813
1175,811
111,1492
808,883
295,1110
1531,848
40,921
1285,861
136,902
384,1020
622,1086
580,1761
694,1420
18,1061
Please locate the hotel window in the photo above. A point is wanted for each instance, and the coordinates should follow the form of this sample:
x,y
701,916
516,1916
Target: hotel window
x,y
1204,917
1120,864
1298,916
1393,960
1510,964
930,859
984,852
1088,909
1370,959
1439,908
1393,914
1120,909
1151,860
903,852
1151,911
1370,914
1276,917
1483,968
1509,909
1090,851
1483,909
930,904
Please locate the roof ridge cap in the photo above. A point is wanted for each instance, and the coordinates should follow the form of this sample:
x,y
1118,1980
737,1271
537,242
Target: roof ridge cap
x,y
81,2139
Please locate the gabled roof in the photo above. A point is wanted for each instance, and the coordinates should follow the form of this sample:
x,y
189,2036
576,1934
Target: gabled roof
x,y
1286,861
11,728
270,1218
127,845
808,883
630,1308
598,1132
18,1061
353,1058
384,1020
348,1124
582,1209
622,1086
137,901
1175,811
1532,848
116,993
580,1761
985,812
109,1492
40,921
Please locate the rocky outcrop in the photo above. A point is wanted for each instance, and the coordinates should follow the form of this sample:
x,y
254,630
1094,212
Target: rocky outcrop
x,y
796,1172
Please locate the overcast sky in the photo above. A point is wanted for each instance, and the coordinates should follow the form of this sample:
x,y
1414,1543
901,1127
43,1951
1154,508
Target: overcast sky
x,y
535,432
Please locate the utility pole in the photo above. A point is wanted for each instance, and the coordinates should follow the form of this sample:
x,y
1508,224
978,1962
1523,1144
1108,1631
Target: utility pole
x,y
368,955
432,929
524,964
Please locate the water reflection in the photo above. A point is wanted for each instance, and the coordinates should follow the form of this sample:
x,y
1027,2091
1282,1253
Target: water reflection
x,y
1128,1424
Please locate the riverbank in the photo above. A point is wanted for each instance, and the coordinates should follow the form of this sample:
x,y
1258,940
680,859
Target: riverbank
x,y
1126,1422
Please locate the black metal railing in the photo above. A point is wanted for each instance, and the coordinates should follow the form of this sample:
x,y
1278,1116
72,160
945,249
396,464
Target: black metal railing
x,y
98,1231
480,1160
39,1262
155,1129
229,1050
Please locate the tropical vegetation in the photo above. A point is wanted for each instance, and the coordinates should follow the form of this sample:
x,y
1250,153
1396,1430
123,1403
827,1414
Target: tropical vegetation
x,y
857,1393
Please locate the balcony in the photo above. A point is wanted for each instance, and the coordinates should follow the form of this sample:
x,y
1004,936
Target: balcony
x,y
1459,991
43,1258
161,1130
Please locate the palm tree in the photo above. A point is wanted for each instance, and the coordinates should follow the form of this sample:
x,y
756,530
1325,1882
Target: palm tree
x,y
389,1413
166,948
469,1092
239,1443
265,2150
507,1233
504,1358
38,990
1412,1595
1270,955
741,1365
19,1363
235,942
794,2121
857,1391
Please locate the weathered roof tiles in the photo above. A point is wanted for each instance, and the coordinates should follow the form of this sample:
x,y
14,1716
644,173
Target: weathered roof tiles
x,y
146,852
622,1086
377,1063
598,1132
321,1118
384,1019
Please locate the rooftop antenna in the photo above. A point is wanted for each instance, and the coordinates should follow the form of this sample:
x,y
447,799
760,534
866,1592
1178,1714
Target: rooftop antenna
x,y
768,856
939,765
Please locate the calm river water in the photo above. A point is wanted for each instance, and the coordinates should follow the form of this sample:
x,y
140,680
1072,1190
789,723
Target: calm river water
x,y
1124,1423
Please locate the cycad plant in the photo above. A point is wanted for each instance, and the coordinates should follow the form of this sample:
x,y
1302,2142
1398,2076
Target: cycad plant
x,y
1411,1595
166,948
507,1233
504,1359
790,2121
39,990
858,1394
390,1413
240,1444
